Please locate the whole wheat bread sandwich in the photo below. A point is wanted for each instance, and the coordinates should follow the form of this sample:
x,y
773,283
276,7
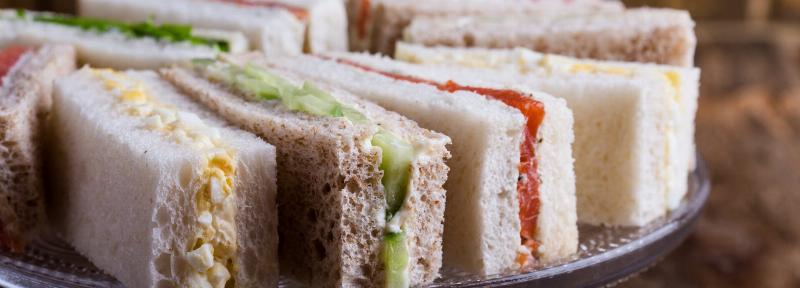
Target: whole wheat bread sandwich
x,y
375,25
155,190
511,191
662,36
26,80
360,188
117,44
634,123
322,23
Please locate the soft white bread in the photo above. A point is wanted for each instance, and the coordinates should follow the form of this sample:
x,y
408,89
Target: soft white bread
x,y
24,105
663,36
684,88
126,196
273,31
481,221
332,203
109,49
326,23
376,24
623,137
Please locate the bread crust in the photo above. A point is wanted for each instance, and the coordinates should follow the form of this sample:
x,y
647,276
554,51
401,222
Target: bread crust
x,y
662,36
387,18
24,109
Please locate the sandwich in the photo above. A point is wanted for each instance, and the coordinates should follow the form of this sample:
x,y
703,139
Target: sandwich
x,y
114,44
272,26
360,188
662,36
26,78
375,25
634,123
155,190
511,190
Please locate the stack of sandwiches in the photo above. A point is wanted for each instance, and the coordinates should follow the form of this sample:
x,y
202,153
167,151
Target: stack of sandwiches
x,y
274,27
236,160
117,44
360,188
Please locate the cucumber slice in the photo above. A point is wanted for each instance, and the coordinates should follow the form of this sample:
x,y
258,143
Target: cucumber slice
x,y
395,260
396,166
259,82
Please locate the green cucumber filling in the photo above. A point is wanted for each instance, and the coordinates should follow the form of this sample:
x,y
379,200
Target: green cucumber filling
x,y
167,32
395,259
397,153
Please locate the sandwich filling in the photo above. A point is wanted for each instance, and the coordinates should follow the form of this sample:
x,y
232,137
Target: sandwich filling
x,y
172,33
211,252
299,12
397,154
528,182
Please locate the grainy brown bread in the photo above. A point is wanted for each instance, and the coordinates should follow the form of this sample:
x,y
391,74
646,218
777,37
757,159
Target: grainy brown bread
x,y
386,19
662,36
330,198
24,107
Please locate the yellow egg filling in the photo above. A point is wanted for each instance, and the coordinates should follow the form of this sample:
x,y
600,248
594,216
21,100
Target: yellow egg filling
x,y
213,248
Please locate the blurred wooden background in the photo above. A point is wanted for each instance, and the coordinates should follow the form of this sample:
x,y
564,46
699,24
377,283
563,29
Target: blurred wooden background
x,y
748,130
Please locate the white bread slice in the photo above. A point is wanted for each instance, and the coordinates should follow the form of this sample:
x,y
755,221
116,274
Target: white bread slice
x,y
125,196
622,137
24,105
684,82
662,36
273,31
386,19
110,49
482,217
332,203
326,23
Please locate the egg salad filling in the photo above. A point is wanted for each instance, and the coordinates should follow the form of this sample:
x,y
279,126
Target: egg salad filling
x,y
397,154
212,249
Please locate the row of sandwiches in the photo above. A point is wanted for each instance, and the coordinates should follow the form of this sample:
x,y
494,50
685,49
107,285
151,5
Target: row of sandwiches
x,y
221,168
179,29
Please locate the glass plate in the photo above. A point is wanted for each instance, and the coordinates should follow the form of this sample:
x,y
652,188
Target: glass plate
x,y
605,256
